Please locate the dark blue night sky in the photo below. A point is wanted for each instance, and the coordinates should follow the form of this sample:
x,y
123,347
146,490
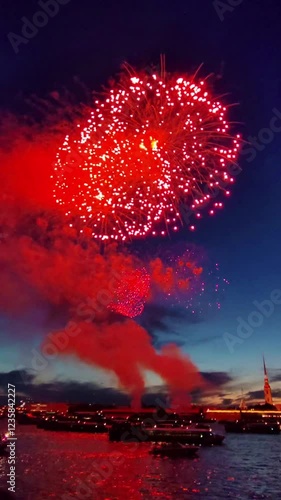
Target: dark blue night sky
x,y
90,40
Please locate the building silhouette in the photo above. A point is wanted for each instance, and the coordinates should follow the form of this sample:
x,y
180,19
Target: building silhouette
x,y
267,388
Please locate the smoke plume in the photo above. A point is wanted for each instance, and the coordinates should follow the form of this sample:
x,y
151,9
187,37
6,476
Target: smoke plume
x,y
44,261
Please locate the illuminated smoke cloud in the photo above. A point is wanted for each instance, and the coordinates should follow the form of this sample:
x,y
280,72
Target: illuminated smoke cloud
x,y
50,254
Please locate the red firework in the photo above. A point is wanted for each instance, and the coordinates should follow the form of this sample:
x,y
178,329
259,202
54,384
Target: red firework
x,y
149,145
131,293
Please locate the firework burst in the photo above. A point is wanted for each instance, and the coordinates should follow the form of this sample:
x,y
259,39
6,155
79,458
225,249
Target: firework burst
x,y
131,293
149,145
198,284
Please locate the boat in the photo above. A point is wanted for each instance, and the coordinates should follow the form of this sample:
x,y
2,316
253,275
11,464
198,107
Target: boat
x,y
241,427
192,435
196,436
30,418
174,450
73,423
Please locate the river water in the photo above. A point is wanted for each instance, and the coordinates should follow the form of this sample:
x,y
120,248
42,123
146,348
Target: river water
x,y
67,466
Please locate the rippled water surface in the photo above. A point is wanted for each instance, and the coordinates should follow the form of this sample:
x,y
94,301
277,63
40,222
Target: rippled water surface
x,y
86,466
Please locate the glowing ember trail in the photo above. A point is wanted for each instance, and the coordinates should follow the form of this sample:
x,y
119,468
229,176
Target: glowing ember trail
x,y
149,146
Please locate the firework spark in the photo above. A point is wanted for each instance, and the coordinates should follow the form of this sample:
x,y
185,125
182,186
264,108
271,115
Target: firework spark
x,y
148,146
131,293
199,285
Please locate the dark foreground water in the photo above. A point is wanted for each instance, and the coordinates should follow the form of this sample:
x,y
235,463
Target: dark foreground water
x,y
85,466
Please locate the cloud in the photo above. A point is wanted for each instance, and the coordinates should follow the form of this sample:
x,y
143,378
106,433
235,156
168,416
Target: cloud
x,y
164,324
227,402
276,377
75,392
159,316
217,378
197,340
70,391
253,395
